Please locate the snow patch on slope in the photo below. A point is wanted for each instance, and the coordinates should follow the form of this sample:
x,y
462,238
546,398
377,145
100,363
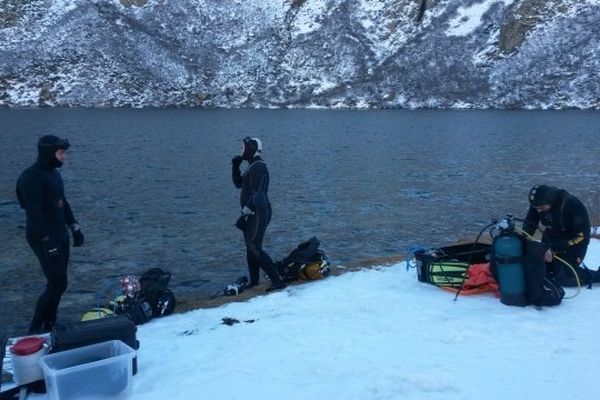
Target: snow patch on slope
x,y
387,27
309,17
470,17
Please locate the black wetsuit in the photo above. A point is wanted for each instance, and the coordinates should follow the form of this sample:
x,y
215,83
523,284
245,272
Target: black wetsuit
x,y
255,180
40,192
566,230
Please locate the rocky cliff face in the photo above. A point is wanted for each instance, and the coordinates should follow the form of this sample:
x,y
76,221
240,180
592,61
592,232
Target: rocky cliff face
x,y
301,53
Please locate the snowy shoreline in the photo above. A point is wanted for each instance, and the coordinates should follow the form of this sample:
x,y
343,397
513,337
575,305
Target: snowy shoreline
x,y
373,334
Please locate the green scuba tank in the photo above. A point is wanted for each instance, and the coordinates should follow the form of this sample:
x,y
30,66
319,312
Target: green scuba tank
x,y
507,255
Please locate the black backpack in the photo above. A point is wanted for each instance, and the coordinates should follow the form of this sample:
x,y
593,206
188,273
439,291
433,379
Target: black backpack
x,y
307,262
550,294
541,289
136,309
154,290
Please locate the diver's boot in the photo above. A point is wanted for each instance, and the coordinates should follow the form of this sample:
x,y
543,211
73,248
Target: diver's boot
x,y
276,282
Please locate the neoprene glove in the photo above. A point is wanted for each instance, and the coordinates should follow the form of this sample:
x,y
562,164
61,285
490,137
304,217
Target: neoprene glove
x,y
78,237
241,222
236,161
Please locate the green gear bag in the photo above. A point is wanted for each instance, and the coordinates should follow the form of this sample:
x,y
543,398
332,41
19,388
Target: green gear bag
x,y
447,266
447,273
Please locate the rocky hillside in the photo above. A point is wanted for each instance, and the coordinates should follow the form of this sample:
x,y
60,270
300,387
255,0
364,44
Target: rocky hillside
x,y
301,53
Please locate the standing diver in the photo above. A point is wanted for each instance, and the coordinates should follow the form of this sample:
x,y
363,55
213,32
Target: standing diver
x,y
40,192
565,226
256,211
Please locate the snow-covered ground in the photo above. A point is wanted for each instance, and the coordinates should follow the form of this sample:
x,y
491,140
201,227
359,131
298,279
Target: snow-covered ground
x,y
374,334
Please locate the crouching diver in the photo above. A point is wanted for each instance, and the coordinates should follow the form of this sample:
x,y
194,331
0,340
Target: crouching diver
x,y
565,225
40,192
256,211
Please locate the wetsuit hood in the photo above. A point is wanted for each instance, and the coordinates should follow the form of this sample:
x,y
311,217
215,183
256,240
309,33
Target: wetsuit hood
x,y
47,146
540,195
252,148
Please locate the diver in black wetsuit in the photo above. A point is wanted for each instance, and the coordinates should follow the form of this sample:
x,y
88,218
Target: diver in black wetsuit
x,y
565,226
256,211
40,192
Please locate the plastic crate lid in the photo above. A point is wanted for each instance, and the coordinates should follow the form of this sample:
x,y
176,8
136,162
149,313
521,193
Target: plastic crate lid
x,y
27,346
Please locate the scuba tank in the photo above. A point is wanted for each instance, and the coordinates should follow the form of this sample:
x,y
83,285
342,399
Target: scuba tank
x,y
508,258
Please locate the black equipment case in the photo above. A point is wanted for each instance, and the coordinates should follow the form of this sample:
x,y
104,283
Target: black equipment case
x,y
457,258
67,336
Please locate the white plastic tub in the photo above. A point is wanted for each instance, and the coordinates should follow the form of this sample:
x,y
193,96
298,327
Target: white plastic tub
x,y
99,371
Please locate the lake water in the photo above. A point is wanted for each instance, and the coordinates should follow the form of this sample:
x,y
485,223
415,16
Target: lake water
x,y
152,188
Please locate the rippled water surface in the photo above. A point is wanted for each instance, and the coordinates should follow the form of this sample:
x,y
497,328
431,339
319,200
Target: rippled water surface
x,y
153,187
